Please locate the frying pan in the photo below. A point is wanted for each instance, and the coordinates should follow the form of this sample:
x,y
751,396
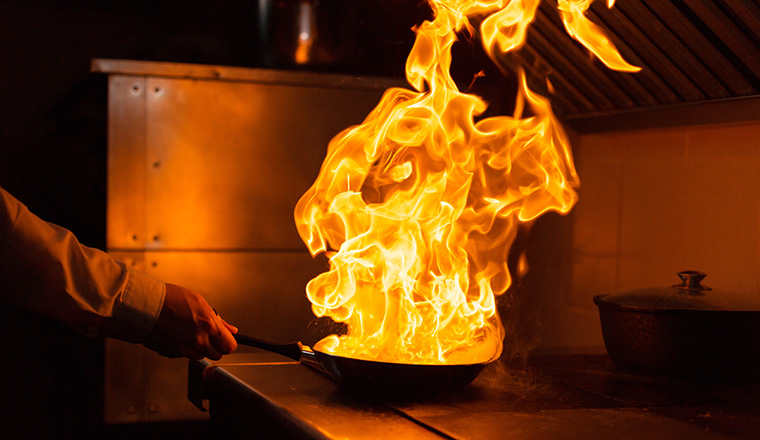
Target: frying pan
x,y
376,377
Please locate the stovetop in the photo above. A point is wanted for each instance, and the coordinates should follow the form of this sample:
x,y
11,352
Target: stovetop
x,y
262,395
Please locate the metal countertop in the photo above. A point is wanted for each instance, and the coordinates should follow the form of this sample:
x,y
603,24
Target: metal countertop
x,y
257,394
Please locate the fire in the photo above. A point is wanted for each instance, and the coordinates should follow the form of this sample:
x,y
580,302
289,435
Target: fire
x,y
591,35
417,207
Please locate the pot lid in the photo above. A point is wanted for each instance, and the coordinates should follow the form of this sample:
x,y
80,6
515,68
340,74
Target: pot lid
x,y
690,294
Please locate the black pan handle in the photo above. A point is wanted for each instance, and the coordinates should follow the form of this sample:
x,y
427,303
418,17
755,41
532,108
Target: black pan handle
x,y
291,350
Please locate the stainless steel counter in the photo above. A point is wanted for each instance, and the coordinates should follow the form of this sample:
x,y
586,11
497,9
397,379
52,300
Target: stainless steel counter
x,y
255,394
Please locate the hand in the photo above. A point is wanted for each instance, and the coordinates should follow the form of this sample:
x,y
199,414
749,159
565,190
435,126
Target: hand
x,y
189,327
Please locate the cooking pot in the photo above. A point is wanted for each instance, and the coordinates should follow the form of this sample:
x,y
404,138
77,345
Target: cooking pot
x,y
687,330
378,378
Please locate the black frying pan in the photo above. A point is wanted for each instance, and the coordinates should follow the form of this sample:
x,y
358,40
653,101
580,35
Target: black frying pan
x,y
377,377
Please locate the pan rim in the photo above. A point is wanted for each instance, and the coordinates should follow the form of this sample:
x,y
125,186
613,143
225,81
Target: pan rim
x,y
373,362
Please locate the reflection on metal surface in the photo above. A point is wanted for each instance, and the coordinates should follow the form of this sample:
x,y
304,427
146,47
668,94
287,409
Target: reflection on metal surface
x,y
222,164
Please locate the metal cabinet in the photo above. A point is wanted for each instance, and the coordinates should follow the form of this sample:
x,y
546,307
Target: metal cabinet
x,y
205,167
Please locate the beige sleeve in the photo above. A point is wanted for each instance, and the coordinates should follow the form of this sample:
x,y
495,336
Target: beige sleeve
x,y
45,269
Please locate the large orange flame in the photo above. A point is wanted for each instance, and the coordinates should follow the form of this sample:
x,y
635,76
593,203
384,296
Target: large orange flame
x,y
417,206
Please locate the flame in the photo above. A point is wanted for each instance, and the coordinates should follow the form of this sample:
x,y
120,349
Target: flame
x,y
591,35
417,206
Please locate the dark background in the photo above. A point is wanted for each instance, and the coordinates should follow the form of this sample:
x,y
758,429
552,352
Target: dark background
x,y
53,143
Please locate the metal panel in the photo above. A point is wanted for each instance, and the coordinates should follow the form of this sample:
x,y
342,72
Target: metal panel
x,y
261,293
126,159
241,74
227,161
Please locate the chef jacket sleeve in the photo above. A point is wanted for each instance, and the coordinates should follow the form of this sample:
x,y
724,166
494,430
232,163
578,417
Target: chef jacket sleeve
x,y
45,269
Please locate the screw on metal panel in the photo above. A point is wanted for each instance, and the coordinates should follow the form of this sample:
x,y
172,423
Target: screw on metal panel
x,y
131,410
136,89
154,264
134,238
156,164
155,238
152,408
158,91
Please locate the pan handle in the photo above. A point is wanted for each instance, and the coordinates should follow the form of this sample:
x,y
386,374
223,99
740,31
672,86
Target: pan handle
x,y
291,350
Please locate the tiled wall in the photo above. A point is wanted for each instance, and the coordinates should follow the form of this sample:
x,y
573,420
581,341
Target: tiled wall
x,y
652,203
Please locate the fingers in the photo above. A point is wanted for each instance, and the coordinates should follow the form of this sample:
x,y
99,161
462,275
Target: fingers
x,y
232,329
222,340
188,327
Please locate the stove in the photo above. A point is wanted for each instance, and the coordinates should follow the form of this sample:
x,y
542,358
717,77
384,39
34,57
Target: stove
x,y
257,394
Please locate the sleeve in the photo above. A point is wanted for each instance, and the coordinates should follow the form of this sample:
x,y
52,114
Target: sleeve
x,y
45,269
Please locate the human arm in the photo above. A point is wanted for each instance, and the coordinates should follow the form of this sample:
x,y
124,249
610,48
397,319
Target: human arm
x,y
45,269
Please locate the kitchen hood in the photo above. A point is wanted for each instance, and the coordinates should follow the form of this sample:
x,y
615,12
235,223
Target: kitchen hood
x,y
690,52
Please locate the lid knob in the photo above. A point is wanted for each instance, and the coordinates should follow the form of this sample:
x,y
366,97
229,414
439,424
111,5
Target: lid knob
x,y
690,282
